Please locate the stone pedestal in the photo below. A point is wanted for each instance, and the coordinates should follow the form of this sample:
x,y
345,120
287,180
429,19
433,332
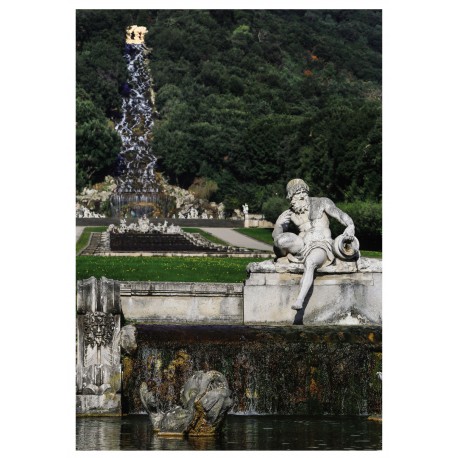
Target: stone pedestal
x,y
98,365
344,293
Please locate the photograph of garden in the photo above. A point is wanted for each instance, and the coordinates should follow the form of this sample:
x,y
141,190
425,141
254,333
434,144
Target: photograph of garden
x,y
229,229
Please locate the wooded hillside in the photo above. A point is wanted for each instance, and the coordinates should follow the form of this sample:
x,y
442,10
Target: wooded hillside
x,y
246,99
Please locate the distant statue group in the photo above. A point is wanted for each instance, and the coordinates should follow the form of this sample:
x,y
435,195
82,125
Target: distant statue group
x,y
301,234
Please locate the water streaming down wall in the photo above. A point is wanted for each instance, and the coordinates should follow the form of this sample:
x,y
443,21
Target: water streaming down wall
x,y
136,188
271,370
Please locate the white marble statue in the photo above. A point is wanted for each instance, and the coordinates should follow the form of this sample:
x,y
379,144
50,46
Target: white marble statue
x,y
301,234
193,213
221,210
143,224
245,209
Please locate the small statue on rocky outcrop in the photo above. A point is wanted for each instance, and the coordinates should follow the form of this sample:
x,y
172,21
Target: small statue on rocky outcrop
x,y
205,399
301,235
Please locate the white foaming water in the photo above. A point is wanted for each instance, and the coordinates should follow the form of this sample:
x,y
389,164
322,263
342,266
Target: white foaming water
x,y
137,161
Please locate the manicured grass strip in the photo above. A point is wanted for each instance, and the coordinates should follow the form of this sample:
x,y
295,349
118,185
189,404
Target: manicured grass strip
x,y
138,268
371,254
263,234
84,237
210,237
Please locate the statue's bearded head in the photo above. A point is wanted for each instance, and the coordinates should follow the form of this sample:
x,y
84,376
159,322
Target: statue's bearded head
x,y
297,192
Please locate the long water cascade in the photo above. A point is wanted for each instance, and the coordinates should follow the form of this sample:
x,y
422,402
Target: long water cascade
x,y
136,188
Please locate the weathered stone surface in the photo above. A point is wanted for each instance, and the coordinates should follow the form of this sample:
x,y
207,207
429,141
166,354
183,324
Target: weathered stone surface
x,y
98,364
108,404
98,295
176,302
337,297
128,339
205,400
361,265
313,370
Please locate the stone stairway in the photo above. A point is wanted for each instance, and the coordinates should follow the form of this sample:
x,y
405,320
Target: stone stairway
x,y
101,244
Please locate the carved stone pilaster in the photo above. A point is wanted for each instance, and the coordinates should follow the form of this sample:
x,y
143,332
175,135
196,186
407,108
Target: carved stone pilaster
x,y
98,365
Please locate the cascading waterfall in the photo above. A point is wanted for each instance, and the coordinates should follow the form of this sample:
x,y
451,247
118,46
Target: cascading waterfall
x,y
136,188
278,370
136,158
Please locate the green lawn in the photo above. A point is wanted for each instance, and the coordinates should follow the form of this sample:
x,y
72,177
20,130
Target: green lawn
x,y
155,268
265,235
258,233
84,238
371,254
212,238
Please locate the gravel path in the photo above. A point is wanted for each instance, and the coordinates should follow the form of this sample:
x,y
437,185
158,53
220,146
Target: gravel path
x,y
236,238
79,231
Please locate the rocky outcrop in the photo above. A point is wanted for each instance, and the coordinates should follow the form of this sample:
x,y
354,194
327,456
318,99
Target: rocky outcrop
x,y
96,199
187,203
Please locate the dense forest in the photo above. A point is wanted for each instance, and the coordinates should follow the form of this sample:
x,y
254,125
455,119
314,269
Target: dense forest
x,y
246,100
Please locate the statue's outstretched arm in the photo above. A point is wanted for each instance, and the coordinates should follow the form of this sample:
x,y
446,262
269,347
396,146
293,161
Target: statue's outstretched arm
x,y
331,209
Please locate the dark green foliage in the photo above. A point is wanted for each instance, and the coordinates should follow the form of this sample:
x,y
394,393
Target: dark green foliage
x,y
250,99
273,207
97,143
367,217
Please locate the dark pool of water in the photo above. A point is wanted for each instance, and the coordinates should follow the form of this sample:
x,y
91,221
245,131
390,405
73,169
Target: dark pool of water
x,y
240,432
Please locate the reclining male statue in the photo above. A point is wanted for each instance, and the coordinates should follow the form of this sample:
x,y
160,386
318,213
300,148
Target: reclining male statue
x,y
312,243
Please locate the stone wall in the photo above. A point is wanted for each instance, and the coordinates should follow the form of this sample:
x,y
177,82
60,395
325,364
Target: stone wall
x,y
177,221
245,331
252,220
270,370
347,293
182,303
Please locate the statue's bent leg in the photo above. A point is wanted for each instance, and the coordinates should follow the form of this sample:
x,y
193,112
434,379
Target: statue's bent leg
x,y
288,243
316,258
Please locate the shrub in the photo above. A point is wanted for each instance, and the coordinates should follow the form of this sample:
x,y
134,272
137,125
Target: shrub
x,y
203,188
273,207
367,217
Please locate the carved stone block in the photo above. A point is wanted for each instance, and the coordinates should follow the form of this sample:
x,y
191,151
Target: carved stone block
x,y
98,365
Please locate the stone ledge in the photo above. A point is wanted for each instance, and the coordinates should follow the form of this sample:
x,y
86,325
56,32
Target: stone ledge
x,y
185,303
361,265
148,288
322,279
189,254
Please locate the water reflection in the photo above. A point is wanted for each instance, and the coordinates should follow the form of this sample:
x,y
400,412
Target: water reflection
x,y
239,433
